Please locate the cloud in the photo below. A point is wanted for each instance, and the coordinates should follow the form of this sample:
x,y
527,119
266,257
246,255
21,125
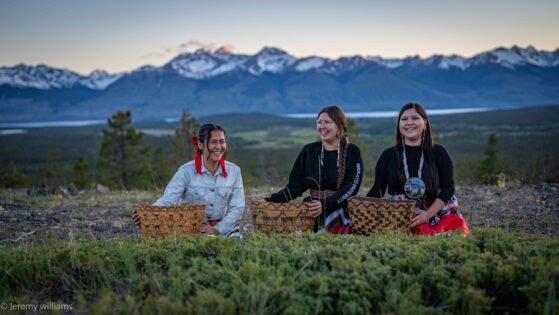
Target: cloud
x,y
189,46
193,45
228,48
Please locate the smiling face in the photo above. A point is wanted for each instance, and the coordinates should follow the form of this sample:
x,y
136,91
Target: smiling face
x,y
215,147
411,126
327,129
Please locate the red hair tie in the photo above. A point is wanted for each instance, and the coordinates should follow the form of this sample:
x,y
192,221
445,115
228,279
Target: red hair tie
x,y
198,160
222,163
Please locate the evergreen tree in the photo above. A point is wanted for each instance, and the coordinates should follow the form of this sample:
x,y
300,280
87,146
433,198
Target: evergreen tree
x,y
488,168
11,178
121,158
160,168
53,170
155,168
82,174
353,134
181,141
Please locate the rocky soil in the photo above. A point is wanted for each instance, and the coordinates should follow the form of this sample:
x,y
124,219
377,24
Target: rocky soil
x,y
532,209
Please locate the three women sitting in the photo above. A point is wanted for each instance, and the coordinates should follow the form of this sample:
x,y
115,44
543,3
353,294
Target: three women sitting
x,y
332,170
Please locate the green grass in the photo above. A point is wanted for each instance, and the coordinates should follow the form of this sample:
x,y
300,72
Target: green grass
x,y
489,272
86,200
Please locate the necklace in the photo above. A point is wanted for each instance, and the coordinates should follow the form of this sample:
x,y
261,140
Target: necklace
x,y
414,187
322,155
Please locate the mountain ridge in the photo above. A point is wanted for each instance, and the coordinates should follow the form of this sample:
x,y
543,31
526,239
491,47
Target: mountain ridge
x,y
273,81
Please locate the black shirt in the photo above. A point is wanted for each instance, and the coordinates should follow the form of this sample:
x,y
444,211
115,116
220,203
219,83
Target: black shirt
x,y
387,175
308,174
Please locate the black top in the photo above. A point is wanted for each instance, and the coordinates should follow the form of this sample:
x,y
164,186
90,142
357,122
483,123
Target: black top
x,y
308,174
386,172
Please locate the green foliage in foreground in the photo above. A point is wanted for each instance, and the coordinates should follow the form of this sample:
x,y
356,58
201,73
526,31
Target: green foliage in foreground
x,y
491,271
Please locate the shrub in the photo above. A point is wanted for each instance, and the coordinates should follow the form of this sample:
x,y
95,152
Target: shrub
x,y
490,272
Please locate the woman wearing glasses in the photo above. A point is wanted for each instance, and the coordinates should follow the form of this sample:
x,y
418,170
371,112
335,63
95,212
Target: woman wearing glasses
x,y
331,168
416,168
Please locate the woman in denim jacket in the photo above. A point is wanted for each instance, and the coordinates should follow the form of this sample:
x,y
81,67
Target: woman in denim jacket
x,y
212,181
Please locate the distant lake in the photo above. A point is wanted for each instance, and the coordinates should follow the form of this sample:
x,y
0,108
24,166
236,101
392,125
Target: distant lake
x,y
375,114
389,114
43,124
8,132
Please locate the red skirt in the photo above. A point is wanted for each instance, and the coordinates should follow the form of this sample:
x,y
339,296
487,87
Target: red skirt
x,y
447,223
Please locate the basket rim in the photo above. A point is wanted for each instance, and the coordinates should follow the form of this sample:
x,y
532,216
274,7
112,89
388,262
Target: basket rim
x,y
262,205
381,200
183,207
279,203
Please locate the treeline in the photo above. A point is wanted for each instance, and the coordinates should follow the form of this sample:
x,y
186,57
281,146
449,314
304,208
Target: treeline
x,y
125,158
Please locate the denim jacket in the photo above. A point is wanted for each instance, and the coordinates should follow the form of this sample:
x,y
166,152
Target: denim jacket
x,y
223,196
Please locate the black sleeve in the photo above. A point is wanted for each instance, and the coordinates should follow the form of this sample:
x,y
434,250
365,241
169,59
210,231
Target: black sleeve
x,y
381,175
296,186
351,183
445,168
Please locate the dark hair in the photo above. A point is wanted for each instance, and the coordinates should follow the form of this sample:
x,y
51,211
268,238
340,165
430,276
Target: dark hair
x,y
429,174
205,133
338,117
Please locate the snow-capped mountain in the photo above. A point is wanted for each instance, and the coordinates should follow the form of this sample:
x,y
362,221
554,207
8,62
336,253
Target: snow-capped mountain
x,y
274,81
44,77
203,64
387,63
39,77
516,56
505,57
99,79
309,63
270,60
147,68
446,62
345,64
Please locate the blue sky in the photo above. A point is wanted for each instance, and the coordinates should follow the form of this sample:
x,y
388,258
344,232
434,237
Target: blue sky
x,y
123,35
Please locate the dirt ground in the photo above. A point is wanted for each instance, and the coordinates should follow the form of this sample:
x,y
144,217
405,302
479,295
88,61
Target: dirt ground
x,y
532,209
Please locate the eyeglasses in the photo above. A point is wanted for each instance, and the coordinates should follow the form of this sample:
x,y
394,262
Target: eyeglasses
x,y
324,122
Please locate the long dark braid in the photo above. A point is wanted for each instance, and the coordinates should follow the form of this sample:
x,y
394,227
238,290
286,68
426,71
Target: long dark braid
x,y
338,117
430,174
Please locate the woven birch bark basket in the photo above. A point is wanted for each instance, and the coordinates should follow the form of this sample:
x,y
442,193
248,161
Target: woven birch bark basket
x,y
162,221
368,215
281,218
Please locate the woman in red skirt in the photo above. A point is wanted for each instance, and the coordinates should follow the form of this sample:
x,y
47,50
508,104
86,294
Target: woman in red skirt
x,y
416,168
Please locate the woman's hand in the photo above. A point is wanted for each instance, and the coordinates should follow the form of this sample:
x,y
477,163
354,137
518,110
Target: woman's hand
x,y
315,207
206,228
421,217
136,218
